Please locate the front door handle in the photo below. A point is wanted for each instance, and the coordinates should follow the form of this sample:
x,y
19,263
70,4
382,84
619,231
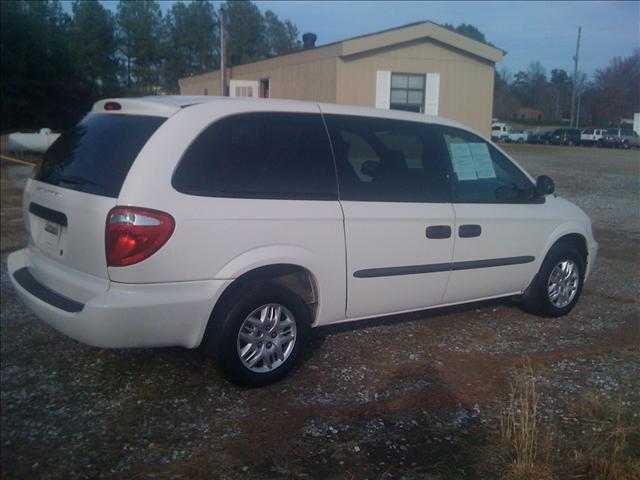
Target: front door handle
x,y
469,231
439,231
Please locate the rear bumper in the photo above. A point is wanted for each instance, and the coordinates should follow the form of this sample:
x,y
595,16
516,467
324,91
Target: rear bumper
x,y
126,315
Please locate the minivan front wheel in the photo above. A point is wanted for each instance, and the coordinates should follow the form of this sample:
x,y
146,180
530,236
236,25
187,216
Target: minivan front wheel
x,y
259,335
557,287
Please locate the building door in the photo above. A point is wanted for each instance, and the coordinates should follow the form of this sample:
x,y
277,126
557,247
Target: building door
x,y
244,88
264,88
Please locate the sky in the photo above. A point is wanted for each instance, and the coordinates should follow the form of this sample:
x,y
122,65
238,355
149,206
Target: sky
x,y
528,31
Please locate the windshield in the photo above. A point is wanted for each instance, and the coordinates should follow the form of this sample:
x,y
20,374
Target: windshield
x,y
96,154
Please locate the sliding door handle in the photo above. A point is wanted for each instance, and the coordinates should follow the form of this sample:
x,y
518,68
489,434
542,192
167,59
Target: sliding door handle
x,y
469,231
439,231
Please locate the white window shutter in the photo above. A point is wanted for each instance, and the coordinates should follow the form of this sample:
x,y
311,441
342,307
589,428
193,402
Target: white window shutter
x,y
383,89
432,94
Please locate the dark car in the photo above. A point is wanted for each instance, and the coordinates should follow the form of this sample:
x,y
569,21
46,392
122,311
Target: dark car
x,y
543,136
565,136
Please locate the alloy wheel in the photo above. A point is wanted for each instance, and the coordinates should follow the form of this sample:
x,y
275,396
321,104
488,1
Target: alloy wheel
x,y
266,338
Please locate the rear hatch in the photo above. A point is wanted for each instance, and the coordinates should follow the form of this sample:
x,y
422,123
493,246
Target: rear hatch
x,y
67,202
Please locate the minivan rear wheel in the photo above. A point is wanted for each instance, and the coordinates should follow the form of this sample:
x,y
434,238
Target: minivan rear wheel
x,y
558,284
259,335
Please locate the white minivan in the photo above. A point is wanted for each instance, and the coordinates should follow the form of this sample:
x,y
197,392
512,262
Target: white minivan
x,y
240,224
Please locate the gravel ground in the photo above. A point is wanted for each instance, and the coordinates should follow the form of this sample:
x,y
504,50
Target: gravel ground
x,y
413,396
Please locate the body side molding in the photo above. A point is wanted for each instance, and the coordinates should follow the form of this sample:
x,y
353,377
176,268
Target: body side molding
x,y
441,267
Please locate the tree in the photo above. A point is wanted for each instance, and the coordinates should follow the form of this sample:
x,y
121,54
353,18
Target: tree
x,y
470,31
191,42
561,86
538,92
140,35
281,37
615,93
505,103
40,86
246,32
93,46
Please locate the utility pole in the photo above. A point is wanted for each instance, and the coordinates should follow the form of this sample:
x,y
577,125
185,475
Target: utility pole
x,y
575,80
221,54
578,109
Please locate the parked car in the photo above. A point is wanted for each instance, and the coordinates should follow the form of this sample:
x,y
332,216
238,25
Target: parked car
x,y
621,138
518,136
592,136
541,137
500,132
565,136
240,225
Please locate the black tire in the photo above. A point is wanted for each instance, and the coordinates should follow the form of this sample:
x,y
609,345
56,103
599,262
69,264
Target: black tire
x,y
536,299
220,341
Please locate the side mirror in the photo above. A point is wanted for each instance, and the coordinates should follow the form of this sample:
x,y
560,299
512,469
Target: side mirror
x,y
544,185
370,168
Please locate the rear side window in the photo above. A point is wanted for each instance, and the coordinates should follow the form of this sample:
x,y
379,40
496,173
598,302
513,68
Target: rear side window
x,y
260,155
384,160
96,154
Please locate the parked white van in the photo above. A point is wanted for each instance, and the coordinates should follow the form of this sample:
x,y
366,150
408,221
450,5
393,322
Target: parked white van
x,y
592,136
240,224
500,131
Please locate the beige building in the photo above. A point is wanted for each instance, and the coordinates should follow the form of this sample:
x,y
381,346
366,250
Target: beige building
x,y
420,67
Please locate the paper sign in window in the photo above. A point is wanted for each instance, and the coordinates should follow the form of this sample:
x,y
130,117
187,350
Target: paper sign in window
x,y
462,161
482,160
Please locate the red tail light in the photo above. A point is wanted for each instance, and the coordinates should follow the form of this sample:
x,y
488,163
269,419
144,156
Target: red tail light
x,y
134,234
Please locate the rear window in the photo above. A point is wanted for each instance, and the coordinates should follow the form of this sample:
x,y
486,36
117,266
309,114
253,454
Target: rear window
x,y
96,154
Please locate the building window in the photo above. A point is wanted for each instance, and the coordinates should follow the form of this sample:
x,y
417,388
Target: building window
x,y
407,92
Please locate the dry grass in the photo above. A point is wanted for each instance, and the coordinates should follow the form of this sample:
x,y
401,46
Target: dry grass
x,y
528,446
613,445
609,449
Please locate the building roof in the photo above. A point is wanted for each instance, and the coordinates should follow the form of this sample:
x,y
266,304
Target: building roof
x,y
418,31
425,30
